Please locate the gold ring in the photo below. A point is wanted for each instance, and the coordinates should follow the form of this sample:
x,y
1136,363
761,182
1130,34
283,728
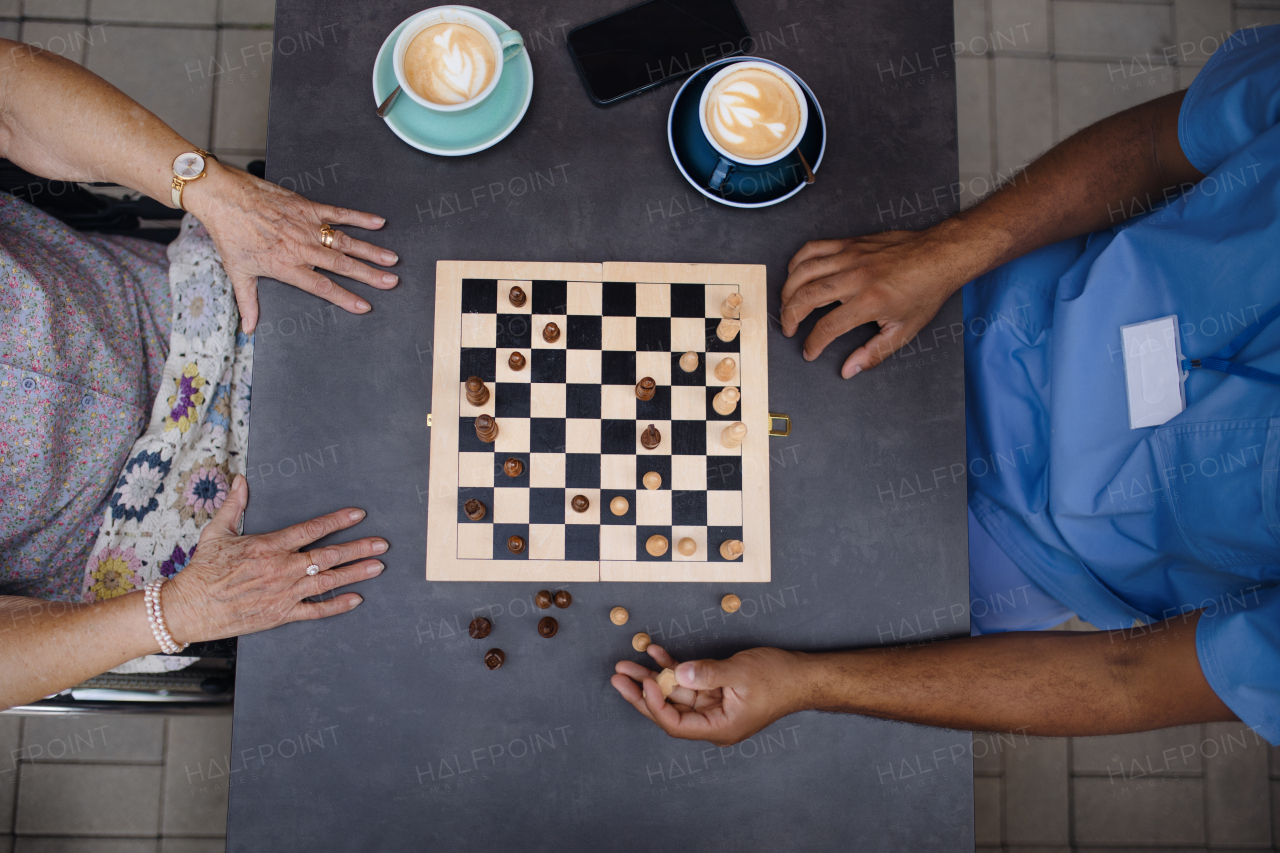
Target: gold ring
x,y
326,235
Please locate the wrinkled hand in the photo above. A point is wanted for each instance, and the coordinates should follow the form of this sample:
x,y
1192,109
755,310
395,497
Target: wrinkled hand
x,y
262,229
721,701
897,279
241,584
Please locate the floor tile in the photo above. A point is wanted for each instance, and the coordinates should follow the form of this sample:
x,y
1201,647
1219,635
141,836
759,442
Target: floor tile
x,y
61,9
28,844
1237,787
1256,18
973,114
1110,29
1089,91
1199,27
6,844
195,791
10,30
63,38
155,11
193,845
171,80
10,740
1023,109
972,32
88,799
1020,25
248,12
1144,811
1121,757
986,811
101,737
242,89
10,8
1036,802
986,755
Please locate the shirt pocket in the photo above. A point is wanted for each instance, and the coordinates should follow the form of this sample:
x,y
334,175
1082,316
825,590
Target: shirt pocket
x,y
1220,479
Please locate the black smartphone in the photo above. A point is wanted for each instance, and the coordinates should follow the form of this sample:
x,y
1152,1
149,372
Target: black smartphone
x,y
639,48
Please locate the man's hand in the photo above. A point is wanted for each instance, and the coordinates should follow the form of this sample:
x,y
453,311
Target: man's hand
x,y
721,701
897,279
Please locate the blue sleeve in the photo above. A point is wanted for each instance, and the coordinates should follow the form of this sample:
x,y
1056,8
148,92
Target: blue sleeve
x,y
1238,642
1234,98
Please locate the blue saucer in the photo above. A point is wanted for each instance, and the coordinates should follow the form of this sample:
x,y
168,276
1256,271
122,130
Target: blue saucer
x,y
748,186
455,134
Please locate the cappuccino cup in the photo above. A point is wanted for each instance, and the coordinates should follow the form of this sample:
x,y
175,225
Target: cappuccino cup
x,y
753,114
450,59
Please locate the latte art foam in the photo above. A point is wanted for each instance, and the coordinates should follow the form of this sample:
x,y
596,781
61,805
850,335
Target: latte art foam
x,y
449,63
753,114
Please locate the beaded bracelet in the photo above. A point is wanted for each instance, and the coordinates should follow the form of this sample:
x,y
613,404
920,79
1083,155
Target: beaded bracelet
x,y
155,617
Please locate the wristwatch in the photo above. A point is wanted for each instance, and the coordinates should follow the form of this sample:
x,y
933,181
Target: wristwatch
x,y
187,167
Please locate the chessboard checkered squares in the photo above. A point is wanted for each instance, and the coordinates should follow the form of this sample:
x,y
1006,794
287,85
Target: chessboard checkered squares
x,y
501,533
653,299
504,297
618,542
657,408
510,506
475,469
689,507
712,414
688,333
618,333
689,438
688,473
514,330
479,330
540,321
653,507
664,446
591,516
583,332
656,365
582,435
724,509
584,297
582,366
582,470
724,473
510,400
546,506
618,471
618,402
643,533
500,478
546,541
513,435
581,542
582,401
475,540
688,403
503,365
465,406
715,537
715,295
698,534
477,361
607,518
546,470
547,400
660,465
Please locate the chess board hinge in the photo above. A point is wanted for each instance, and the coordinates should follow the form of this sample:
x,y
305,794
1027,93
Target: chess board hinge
x,y
774,417
429,422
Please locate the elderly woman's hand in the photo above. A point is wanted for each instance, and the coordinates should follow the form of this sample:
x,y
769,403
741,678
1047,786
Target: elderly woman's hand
x,y
264,229
240,584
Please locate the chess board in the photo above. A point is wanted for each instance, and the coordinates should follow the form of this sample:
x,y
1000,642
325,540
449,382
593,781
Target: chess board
x,y
572,418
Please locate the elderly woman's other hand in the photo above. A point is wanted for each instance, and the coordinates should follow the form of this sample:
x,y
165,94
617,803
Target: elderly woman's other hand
x,y
262,229
242,584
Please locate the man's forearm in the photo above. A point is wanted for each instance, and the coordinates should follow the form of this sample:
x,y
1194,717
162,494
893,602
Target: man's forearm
x,y
1044,683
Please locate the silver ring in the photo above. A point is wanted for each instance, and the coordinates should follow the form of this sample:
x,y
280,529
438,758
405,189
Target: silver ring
x,y
313,569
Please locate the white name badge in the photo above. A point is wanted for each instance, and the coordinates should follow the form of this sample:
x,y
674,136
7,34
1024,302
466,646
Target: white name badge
x,y
1153,371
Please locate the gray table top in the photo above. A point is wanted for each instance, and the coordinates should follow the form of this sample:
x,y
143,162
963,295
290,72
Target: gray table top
x,y
380,729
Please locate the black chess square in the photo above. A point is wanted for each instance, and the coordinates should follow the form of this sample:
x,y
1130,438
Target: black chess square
x,y
643,533
510,400
503,532
656,409
484,494
688,300
653,334
550,297
478,361
724,473
617,368
617,436
546,506
468,441
584,332
713,415
618,299
717,536
660,465
689,438
582,401
581,542
689,509
479,296
697,376
714,344
547,365
500,478
606,513
515,331
546,435
582,470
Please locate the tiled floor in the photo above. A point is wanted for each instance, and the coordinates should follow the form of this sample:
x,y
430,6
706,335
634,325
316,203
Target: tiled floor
x,y
1029,73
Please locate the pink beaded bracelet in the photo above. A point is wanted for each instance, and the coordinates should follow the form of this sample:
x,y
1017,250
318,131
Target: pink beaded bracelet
x,y
155,617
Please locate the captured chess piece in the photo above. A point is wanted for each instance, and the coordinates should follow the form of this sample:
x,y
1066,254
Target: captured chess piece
x,y
731,549
657,545
515,544
652,480
580,503
689,362
646,388
726,401
516,296
547,627
728,329
619,505
494,658
730,603
733,434
479,628
477,393
513,467
650,438
562,599
487,428
516,361
474,509
726,369
687,547
732,306
551,333
619,615
667,682
543,598
641,641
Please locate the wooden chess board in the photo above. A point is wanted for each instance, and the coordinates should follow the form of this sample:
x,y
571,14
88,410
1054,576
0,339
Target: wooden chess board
x,y
572,418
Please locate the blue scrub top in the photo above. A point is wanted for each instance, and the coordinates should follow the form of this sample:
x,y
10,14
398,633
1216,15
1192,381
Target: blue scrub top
x,y
1125,525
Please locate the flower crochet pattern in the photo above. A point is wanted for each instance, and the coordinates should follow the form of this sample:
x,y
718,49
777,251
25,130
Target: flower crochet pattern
x,y
112,573
177,561
202,489
139,484
185,402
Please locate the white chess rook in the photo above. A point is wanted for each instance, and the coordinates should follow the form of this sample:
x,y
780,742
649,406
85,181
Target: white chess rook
x,y
728,329
731,306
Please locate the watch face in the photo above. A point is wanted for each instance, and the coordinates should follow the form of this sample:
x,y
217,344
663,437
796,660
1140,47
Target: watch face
x,y
188,165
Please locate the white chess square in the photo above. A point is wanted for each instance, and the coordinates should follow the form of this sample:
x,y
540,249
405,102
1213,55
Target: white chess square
x,y
617,542
618,333
653,507
475,541
547,400
724,509
699,537
540,321
584,298
513,435
715,439
654,364
688,334
479,330
510,506
504,297
688,403
618,402
505,373
546,470
716,294
617,471
582,435
546,541
475,469
713,361
664,446
653,299
689,473
583,367
467,410
591,516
